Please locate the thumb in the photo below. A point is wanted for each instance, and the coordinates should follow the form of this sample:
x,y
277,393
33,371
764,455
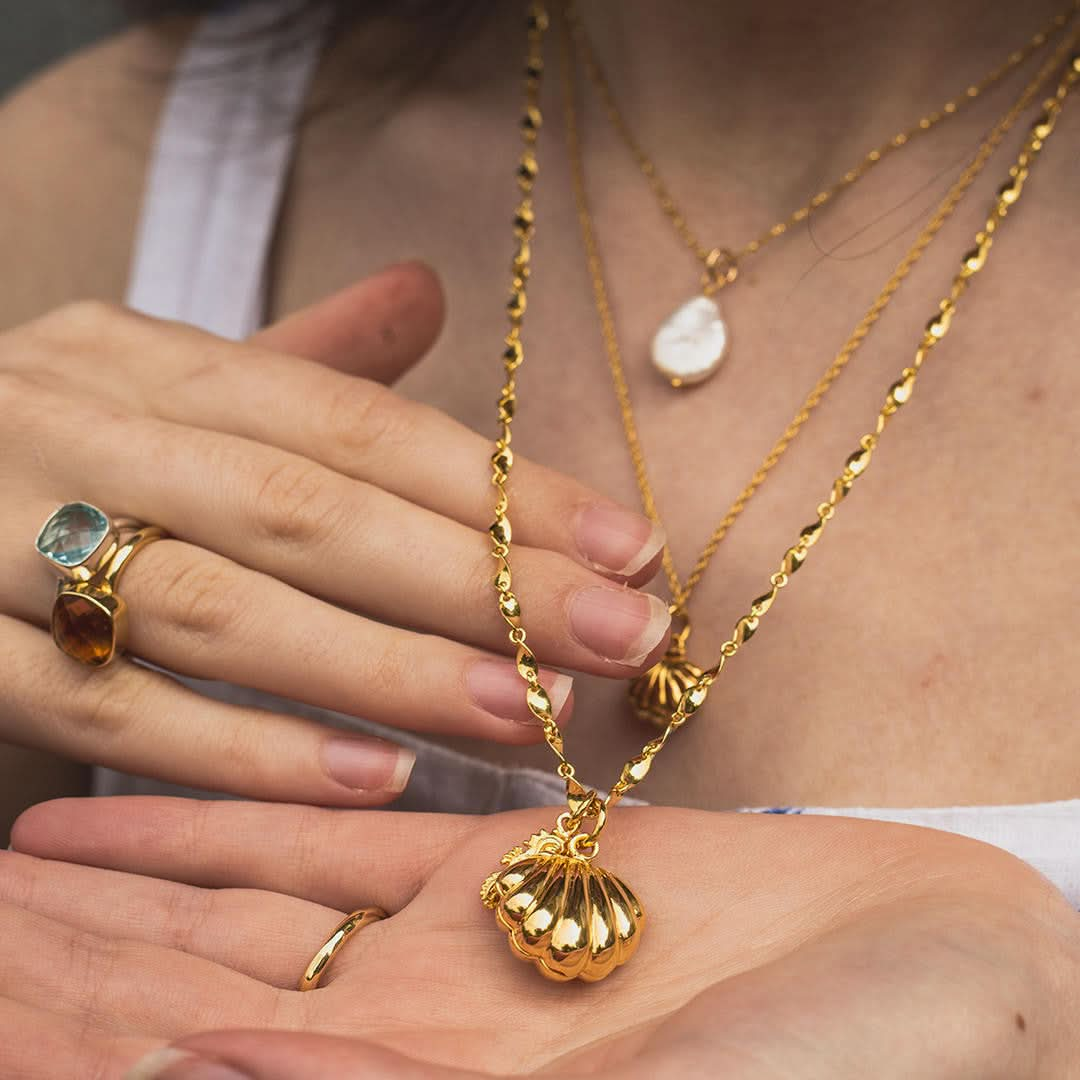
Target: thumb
x,y
279,1055
377,328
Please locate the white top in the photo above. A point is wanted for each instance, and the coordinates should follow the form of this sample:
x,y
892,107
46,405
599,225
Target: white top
x,y
213,192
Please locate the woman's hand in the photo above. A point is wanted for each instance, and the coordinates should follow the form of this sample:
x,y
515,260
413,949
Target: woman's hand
x,y
330,547
777,947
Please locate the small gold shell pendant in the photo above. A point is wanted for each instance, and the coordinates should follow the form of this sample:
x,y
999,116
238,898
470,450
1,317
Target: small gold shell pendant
x,y
655,694
571,919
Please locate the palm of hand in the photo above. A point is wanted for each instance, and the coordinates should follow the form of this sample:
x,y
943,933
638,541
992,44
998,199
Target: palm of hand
x,y
770,939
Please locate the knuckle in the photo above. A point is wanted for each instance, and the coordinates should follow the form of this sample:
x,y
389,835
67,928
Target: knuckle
x,y
367,417
187,911
478,575
204,599
90,965
109,705
296,503
386,671
242,747
308,835
82,320
15,393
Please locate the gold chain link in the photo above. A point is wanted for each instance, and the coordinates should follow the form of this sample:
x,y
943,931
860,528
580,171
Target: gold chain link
x,y
588,805
721,264
681,591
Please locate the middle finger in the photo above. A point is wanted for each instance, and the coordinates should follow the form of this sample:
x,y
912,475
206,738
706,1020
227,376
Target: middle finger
x,y
341,539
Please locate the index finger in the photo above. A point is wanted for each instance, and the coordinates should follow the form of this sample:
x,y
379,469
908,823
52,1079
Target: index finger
x,y
355,426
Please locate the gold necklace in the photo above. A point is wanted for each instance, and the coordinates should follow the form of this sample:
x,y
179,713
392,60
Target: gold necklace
x,y
569,918
654,694
692,342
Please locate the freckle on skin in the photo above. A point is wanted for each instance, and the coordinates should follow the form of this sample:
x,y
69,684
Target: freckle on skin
x,y
1021,1023
934,669
1035,394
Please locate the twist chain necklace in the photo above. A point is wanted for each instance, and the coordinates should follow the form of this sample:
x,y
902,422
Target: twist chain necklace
x,y
569,918
693,341
655,693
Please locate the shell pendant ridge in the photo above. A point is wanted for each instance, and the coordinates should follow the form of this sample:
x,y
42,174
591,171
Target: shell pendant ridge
x,y
655,694
570,919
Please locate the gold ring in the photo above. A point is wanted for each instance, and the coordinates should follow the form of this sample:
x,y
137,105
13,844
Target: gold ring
x,y
314,972
90,550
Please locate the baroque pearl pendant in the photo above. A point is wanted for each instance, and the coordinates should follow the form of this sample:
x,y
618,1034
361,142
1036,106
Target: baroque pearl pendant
x,y
691,342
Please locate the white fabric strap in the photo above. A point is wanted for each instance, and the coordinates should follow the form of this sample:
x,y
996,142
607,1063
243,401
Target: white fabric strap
x,y
218,171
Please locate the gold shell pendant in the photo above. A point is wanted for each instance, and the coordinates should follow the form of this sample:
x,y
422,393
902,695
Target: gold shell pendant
x,y
571,919
655,694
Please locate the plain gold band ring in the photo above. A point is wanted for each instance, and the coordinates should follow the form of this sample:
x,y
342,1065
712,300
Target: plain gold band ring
x,y
314,972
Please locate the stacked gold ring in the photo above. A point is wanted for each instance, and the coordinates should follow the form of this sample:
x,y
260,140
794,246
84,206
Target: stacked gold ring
x,y
90,551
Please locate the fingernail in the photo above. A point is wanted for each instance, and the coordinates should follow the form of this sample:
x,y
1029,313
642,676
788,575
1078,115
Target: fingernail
x,y
617,540
497,688
172,1064
368,764
618,624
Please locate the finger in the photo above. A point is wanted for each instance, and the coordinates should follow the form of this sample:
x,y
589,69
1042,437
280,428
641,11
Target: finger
x,y
330,858
37,1044
118,986
355,427
267,936
199,614
275,1055
333,537
377,328
144,722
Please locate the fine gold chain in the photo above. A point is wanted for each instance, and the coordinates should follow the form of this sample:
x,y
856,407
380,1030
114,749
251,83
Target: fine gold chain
x,y
721,264
681,591
587,805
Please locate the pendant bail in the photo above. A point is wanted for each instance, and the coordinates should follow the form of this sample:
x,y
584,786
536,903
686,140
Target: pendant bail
x,y
721,268
679,637
580,842
579,801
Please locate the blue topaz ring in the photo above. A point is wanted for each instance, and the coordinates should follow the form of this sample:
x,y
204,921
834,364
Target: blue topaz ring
x,y
90,550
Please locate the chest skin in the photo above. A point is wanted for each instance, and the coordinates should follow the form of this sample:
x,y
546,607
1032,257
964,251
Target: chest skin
x,y
925,653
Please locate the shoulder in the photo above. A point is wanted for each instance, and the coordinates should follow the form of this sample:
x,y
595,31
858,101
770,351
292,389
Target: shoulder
x,y
76,142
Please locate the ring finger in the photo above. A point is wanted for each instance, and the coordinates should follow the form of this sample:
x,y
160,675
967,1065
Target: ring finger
x,y
266,935
196,613
110,984
342,539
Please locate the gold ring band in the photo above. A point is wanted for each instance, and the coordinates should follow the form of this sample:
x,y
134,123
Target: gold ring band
x,y
91,551
314,972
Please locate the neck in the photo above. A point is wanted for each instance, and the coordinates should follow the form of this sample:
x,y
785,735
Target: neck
x,y
726,56
716,88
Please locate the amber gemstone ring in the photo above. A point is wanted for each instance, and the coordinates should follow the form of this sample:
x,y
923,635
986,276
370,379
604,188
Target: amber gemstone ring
x,y
90,550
